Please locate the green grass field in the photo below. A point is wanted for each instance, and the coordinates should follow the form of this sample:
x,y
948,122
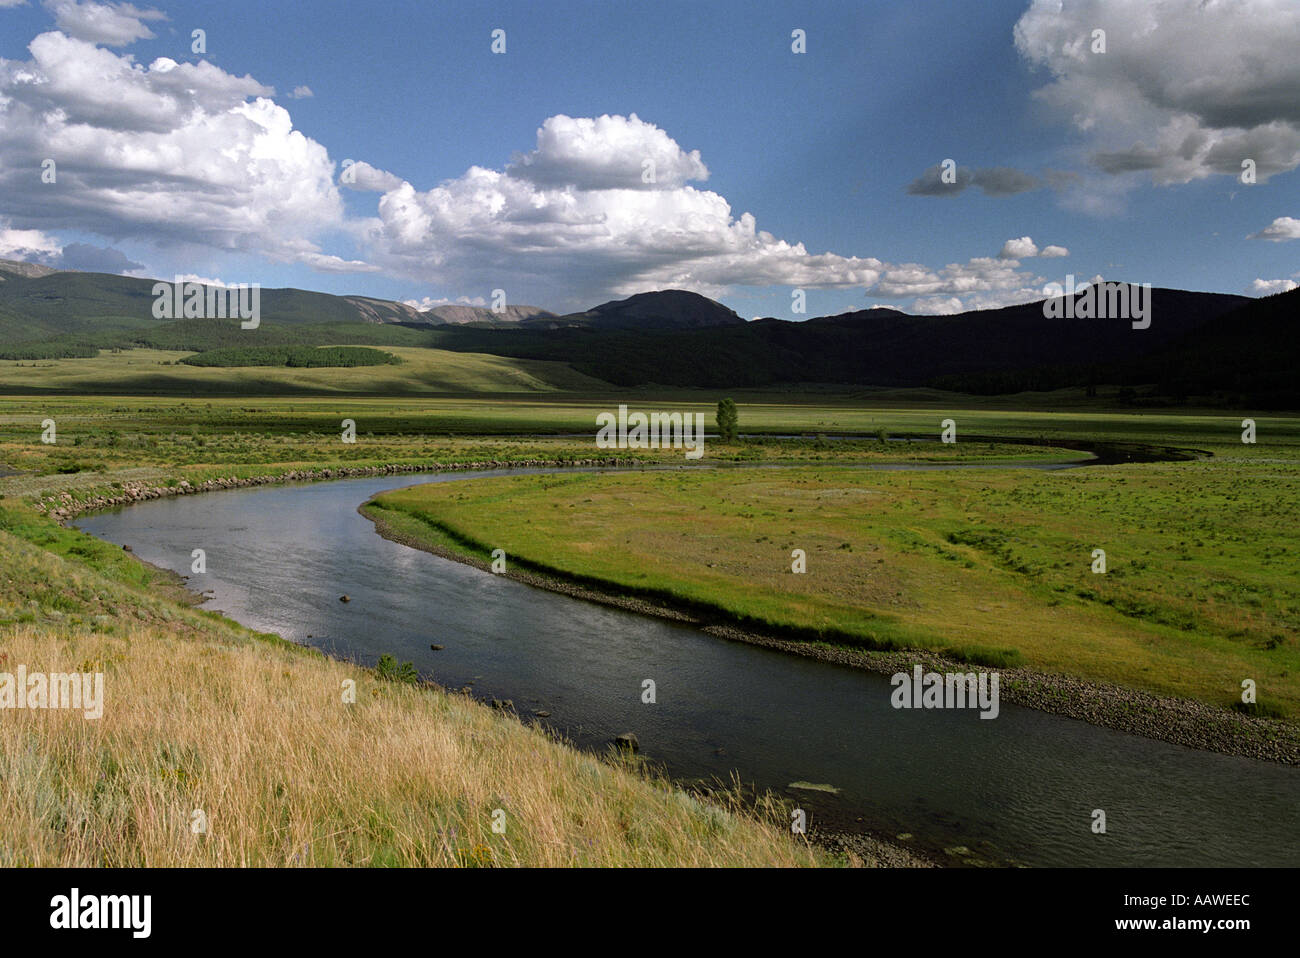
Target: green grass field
x,y
421,371
495,413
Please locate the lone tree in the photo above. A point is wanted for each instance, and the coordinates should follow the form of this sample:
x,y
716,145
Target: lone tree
x,y
728,420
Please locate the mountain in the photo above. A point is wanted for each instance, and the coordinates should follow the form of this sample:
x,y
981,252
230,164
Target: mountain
x,y
385,310
665,309
1014,348
1247,356
1231,349
37,303
24,270
456,315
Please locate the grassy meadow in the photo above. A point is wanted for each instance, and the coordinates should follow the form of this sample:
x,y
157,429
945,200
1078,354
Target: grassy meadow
x,y
418,371
256,737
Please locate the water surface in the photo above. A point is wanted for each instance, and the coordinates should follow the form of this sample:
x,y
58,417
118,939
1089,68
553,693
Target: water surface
x,y
1019,788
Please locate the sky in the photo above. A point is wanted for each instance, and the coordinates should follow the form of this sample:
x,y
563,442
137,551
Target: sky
x,y
928,156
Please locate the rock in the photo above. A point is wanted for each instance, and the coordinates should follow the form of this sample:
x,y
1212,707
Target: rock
x,y
436,648
345,598
627,741
542,713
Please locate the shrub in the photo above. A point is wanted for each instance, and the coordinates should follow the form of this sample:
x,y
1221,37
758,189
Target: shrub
x,y
728,420
389,668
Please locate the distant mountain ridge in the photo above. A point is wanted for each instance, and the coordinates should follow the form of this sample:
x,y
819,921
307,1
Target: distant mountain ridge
x,y
1249,355
1205,344
1012,349
455,314
37,302
385,310
26,270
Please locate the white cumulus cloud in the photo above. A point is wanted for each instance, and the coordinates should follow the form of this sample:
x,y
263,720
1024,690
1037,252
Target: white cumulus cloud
x,y
1281,229
1267,287
365,178
112,24
28,245
1185,88
573,221
426,303
606,153
1021,248
168,153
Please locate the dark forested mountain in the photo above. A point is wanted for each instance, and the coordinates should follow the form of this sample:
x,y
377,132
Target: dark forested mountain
x,y
1250,355
1018,347
665,309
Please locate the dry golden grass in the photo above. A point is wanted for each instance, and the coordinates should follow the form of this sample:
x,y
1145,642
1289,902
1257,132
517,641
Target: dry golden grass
x,y
258,738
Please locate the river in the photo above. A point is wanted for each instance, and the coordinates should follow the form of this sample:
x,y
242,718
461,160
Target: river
x,y
1018,789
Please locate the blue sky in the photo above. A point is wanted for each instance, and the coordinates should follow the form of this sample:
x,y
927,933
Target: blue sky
x,y
1132,155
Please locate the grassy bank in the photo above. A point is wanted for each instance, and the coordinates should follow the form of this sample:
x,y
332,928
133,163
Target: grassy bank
x,y
992,567
201,715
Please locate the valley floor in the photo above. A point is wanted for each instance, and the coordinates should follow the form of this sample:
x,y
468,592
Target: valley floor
x,y
206,717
